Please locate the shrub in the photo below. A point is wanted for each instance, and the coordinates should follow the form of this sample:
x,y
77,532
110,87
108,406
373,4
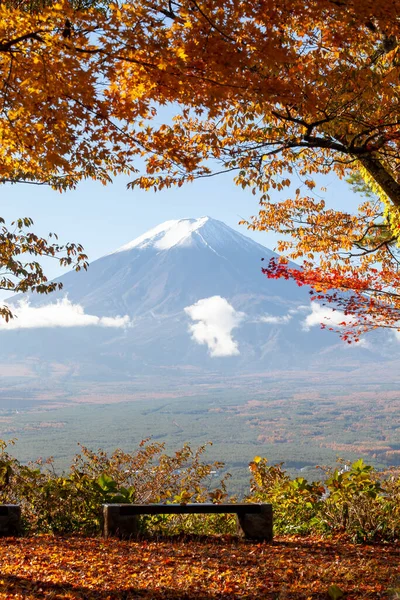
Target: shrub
x,y
355,500
296,502
72,502
361,502
352,499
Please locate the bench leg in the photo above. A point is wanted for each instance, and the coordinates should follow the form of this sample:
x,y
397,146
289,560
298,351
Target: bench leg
x,y
115,525
10,522
256,526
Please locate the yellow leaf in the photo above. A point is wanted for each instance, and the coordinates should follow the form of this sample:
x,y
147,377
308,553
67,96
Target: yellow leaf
x,y
181,53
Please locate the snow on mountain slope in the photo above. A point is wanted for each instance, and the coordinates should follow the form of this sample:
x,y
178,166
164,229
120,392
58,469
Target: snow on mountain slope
x,y
166,235
188,232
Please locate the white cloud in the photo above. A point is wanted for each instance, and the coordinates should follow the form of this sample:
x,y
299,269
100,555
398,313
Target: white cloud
x,y
276,320
283,319
216,320
63,313
323,314
300,308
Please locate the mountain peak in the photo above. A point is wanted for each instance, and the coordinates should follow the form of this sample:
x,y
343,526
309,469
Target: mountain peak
x,y
203,232
167,234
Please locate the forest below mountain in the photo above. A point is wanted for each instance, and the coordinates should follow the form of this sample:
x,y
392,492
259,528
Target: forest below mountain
x,y
298,421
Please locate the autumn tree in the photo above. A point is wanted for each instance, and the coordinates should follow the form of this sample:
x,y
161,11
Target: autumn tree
x,y
275,91
278,92
50,127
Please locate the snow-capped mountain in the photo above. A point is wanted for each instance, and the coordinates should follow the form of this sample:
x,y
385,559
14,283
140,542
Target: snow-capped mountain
x,y
174,265
186,293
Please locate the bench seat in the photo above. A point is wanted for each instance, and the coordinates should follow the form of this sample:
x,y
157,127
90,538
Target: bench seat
x,y
254,521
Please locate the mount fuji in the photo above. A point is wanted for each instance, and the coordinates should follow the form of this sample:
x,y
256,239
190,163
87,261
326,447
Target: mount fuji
x,y
172,266
186,295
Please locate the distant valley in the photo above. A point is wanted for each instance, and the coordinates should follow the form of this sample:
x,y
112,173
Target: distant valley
x,y
179,335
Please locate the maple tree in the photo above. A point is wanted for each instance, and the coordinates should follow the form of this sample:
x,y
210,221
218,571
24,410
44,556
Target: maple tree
x,y
278,92
274,91
41,138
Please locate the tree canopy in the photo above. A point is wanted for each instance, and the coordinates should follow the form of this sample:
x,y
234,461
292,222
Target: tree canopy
x,y
275,91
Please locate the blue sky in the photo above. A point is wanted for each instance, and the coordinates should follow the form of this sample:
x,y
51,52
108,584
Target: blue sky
x,y
103,218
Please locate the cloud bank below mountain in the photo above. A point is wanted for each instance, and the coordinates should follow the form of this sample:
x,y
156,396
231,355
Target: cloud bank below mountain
x,y
60,314
215,319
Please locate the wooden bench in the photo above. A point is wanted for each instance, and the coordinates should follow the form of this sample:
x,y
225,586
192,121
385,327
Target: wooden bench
x,y
254,521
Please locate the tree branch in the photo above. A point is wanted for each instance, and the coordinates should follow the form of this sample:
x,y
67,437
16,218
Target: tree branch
x,y
382,177
6,46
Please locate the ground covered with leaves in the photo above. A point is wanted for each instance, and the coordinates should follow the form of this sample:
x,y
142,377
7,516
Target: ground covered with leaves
x,y
291,568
